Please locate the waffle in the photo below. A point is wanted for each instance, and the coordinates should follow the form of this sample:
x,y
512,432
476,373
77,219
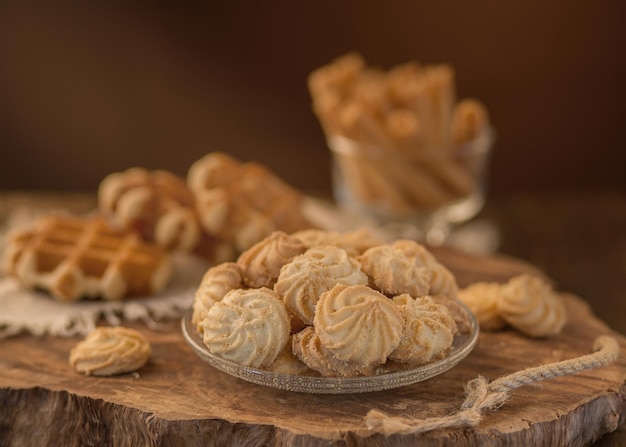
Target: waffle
x,y
73,258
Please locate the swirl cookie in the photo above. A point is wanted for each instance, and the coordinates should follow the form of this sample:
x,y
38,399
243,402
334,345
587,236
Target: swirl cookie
x,y
110,350
407,267
306,346
358,325
215,284
529,304
482,299
394,270
260,264
248,326
428,330
317,270
288,363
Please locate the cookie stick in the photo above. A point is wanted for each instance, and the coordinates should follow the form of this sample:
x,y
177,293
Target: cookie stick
x,y
404,126
327,106
439,81
358,125
470,125
413,93
370,90
424,189
337,75
469,120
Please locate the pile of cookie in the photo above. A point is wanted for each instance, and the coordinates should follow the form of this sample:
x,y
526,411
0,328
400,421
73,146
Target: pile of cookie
x,y
123,249
401,141
527,303
331,304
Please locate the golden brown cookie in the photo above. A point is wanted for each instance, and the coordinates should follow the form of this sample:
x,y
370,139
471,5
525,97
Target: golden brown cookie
x,y
215,284
482,299
248,326
110,350
428,330
260,264
358,325
317,270
530,305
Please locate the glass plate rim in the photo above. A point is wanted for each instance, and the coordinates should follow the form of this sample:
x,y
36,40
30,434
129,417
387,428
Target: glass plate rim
x,y
462,347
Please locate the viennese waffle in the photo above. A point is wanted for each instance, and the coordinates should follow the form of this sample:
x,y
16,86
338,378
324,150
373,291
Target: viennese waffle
x,y
73,258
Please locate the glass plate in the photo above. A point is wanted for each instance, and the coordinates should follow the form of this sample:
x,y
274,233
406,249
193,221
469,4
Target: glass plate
x,y
461,347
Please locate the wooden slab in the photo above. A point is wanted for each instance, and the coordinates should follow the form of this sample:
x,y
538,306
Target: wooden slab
x,y
177,399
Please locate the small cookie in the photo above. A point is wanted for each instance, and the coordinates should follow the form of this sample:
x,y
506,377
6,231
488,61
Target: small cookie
x,y
358,325
530,305
394,270
306,346
110,350
248,326
482,299
428,330
260,264
215,284
317,270
407,267
288,363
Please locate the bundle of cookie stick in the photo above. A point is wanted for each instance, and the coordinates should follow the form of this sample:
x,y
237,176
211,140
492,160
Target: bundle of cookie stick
x,y
400,137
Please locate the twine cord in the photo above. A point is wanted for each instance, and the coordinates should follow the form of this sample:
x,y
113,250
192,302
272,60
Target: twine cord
x,y
482,395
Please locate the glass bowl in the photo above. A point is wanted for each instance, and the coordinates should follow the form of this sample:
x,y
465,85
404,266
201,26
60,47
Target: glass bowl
x,y
394,376
421,191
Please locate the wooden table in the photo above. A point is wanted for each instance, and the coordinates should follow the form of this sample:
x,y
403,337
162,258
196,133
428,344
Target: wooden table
x,y
178,397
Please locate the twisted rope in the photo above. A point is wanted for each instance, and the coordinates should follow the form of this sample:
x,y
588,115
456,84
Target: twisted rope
x,y
482,395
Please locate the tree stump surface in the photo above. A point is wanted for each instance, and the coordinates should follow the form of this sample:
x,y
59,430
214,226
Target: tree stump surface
x,y
177,399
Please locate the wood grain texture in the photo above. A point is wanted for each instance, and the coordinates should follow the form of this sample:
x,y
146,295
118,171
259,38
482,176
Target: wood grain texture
x,y
177,399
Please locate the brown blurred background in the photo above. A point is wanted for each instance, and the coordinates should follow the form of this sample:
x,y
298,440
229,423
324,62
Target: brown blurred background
x,y
91,88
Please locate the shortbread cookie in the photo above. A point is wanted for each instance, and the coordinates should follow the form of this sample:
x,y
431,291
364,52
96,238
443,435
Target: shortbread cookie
x,y
215,284
442,280
306,347
358,325
482,299
317,270
248,326
393,271
110,350
530,305
428,330
260,264
460,314
288,363
407,267
156,204
73,258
